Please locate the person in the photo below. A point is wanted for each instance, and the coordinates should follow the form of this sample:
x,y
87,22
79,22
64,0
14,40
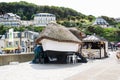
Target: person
x,y
112,46
38,54
19,49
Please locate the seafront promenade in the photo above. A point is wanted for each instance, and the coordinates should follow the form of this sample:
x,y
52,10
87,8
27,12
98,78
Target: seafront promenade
x,y
98,69
107,69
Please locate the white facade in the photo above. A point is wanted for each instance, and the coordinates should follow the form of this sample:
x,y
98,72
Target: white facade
x,y
117,19
10,19
2,43
24,39
59,46
27,23
42,19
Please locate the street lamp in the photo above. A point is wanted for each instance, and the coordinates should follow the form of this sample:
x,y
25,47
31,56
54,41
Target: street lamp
x,y
27,42
26,46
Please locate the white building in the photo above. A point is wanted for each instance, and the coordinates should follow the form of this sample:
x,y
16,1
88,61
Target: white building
x,y
2,43
101,22
42,19
117,19
23,39
27,23
10,19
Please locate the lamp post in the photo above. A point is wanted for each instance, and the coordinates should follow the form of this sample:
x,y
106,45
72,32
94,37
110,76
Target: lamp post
x,y
26,33
20,39
26,46
27,42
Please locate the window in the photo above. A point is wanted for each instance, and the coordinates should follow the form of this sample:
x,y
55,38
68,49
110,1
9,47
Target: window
x,y
16,43
22,43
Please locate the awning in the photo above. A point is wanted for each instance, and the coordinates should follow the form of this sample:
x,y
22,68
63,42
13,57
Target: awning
x,y
13,48
118,44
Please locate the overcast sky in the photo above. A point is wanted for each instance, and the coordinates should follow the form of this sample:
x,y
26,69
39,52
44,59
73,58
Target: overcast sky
x,y
110,8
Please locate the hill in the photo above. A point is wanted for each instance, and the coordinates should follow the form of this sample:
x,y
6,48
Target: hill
x,y
27,10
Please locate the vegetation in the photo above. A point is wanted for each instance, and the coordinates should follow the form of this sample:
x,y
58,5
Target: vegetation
x,y
4,29
65,16
27,10
111,21
111,34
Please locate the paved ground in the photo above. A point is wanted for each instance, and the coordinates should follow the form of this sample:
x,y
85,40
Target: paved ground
x,y
102,69
107,69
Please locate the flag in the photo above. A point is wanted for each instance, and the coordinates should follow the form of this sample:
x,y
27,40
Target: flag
x,y
11,35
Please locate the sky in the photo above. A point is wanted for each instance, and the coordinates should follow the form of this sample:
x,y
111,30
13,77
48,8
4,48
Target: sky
x,y
96,8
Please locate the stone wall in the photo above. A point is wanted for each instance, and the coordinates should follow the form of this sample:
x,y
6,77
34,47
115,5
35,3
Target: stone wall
x,y
7,58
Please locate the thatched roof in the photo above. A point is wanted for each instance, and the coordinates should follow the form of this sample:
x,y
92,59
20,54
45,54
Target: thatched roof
x,y
54,31
80,35
93,38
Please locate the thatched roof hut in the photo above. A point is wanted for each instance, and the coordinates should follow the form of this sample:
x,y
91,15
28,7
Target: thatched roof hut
x,y
80,35
58,38
96,45
58,42
93,38
57,32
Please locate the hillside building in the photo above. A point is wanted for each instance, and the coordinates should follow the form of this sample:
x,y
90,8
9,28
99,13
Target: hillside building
x,y
101,22
42,19
10,19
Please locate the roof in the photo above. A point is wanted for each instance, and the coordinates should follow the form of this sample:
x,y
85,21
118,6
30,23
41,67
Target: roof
x,y
35,33
100,21
38,14
93,38
77,33
2,36
54,31
11,14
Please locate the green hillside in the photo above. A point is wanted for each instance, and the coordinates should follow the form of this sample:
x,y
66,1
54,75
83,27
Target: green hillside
x,y
27,10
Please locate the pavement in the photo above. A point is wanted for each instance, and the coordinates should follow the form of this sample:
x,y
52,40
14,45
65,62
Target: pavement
x,y
106,69
98,69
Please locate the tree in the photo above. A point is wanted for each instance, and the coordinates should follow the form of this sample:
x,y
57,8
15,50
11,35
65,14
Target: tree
x,y
111,21
94,29
3,29
91,18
